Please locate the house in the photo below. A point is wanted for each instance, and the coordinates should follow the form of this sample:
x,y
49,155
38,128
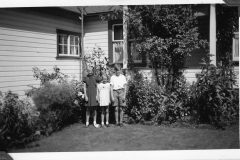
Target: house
x,y
47,36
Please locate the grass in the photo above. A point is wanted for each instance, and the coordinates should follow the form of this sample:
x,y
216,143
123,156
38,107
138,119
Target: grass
x,y
134,138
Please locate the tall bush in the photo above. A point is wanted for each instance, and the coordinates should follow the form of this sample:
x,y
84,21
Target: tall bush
x,y
213,95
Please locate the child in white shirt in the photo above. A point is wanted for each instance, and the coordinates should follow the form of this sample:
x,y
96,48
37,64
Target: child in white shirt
x,y
119,83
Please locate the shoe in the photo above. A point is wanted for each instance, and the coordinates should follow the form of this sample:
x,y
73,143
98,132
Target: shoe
x,y
116,124
87,126
107,125
121,125
103,126
96,125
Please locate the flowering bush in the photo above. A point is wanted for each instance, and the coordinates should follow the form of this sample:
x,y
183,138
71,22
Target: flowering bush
x,y
18,121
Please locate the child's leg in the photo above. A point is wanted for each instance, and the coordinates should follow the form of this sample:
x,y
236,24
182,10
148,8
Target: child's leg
x,y
121,113
107,114
102,114
116,114
94,116
87,116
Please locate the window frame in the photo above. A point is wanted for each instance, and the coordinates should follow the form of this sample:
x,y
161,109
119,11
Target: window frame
x,y
69,34
129,51
234,41
117,24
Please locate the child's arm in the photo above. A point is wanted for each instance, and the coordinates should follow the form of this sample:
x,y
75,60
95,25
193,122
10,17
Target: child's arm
x,y
125,91
85,93
111,92
97,96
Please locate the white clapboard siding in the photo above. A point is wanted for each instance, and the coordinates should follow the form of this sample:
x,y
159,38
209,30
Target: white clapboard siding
x,y
17,33
25,39
16,78
27,54
14,43
40,63
42,17
29,68
28,39
190,74
32,22
96,33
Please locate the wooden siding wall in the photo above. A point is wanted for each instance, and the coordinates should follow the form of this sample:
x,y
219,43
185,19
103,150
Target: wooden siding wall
x,y
28,39
95,33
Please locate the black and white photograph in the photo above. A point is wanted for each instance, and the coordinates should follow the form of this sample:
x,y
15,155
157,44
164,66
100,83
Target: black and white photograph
x,y
118,77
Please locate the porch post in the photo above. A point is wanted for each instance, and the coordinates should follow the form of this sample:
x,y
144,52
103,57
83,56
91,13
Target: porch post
x,y
125,44
82,43
213,35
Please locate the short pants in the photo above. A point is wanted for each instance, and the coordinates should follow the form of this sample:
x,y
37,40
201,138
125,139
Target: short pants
x,y
119,97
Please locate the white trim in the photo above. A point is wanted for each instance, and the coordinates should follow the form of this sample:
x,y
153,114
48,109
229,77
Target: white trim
x,y
69,46
233,47
212,35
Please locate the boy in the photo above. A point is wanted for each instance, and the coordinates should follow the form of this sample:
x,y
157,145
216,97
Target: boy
x,y
118,94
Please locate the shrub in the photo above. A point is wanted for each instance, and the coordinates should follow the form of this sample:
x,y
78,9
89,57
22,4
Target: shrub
x,y
146,101
213,96
58,99
18,119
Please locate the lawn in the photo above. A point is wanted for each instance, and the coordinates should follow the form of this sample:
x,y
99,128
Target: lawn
x,y
134,138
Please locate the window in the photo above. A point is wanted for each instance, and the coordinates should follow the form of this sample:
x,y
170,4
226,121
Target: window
x,y
117,43
137,57
235,47
68,44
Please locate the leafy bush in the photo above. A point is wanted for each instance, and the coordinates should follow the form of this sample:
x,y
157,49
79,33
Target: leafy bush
x,y
59,106
18,119
213,96
58,99
146,101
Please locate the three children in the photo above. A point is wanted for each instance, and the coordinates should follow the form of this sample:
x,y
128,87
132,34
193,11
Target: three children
x,y
103,93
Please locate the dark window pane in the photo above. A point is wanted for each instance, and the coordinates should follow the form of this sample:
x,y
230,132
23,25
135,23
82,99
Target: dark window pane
x,y
71,40
118,32
62,39
60,49
76,40
76,49
65,50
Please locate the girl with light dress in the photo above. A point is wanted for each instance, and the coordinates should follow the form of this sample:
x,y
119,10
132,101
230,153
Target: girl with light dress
x,y
103,97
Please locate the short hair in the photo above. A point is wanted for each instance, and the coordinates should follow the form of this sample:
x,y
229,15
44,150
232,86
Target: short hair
x,y
117,67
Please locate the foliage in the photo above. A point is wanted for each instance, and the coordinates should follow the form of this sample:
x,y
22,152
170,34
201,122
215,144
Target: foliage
x,y
147,102
55,77
96,59
213,95
58,99
18,119
167,34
